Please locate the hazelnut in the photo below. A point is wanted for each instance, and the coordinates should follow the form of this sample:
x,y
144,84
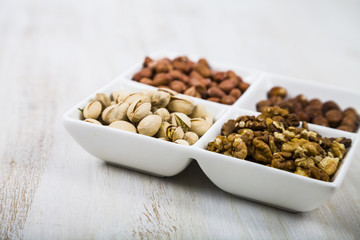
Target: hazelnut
x,y
215,92
320,120
214,99
243,86
227,99
227,85
277,91
334,117
178,86
329,105
236,93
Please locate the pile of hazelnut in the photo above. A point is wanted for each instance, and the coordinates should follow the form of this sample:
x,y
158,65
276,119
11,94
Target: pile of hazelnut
x,y
195,79
314,111
162,114
273,139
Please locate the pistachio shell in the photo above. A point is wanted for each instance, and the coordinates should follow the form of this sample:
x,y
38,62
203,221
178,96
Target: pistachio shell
x,y
115,113
181,142
136,96
123,125
199,111
138,110
160,99
149,125
191,137
103,99
181,104
199,126
163,113
163,130
174,133
209,118
169,91
92,110
120,96
90,120
162,138
181,120
148,93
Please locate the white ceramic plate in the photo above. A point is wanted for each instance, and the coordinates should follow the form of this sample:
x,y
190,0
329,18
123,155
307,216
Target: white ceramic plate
x,y
239,177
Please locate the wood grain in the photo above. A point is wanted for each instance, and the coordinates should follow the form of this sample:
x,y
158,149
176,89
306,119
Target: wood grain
x,y
54,53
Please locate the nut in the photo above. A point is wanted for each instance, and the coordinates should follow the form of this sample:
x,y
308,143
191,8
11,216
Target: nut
x,y
181,104
149,125
174,132
229,100
103,99
191,137
227,85
199,126
90,120
329,105
199,111
215,92
181,142
277,91
123,125
92,110
236,93
115,113
160,99
138,110
161,79
163,113
178,86
120,96
162,132
334,117
136,96
243,86
214,99
181,120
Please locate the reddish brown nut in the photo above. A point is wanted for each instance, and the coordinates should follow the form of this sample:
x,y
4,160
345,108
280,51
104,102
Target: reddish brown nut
x,y
303,116
161,79
147,81
302,99
229,100
163,65
215,92
214,99
227,85
185,78
143,73
206,81
146,62
177,86
163,86
329,105
346,128
192,92
243,86
315,103
313,112
182,64
235,80
334,117
231,74
260,106
278,92
219,76
195,74
351,113
176,74
202,68
320,120
213,84
236,93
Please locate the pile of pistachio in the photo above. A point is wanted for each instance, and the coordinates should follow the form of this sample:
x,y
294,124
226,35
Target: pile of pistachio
x,y
274,139
163,114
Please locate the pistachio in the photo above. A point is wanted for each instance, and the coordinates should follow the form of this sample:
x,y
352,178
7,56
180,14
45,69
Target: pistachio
x,y
120,96
160,99
148,93
167,90
138,110
163,113
123,125
162,138
136,96
191,137
199,112
209,118
103,99
92,110
115,112
199,126
149,125
90,120
181,142
181,120
163,130
181,104
174,133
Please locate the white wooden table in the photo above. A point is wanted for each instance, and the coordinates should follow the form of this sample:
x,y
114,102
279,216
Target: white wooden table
x,y
54,53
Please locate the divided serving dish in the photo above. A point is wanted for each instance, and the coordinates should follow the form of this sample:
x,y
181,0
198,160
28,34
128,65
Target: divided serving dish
x,y
239,177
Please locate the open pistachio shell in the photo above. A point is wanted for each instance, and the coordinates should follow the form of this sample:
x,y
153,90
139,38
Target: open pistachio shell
x,y
181,104
115,113
120,96
103,99
174,132
199,126
162,133
160,99
181,120
92,110
138,110
90,120
136,96
181,142
199,111
163,113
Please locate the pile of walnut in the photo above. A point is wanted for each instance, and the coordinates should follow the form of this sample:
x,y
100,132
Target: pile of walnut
x,y
163,114
314,111
195,79
273,139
